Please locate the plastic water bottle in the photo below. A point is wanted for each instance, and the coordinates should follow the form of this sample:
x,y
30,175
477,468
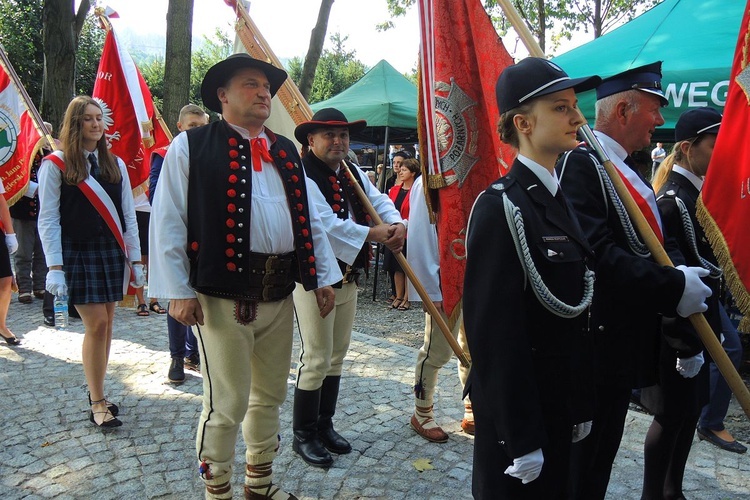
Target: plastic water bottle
x,y
61,312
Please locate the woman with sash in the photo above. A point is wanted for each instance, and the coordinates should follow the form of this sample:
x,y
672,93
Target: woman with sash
x,y
89,233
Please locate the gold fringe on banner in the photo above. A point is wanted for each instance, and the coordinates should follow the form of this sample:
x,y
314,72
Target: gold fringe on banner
x,y
721,250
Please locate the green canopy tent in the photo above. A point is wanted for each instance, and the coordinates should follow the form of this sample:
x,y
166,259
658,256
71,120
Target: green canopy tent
x,y
386,99
695,39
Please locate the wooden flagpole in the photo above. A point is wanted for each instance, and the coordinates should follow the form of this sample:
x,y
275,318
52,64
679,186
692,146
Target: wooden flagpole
x,y
35,116
462,356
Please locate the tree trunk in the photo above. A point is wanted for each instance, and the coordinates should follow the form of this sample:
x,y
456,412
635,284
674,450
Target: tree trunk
x,y
542,25
317,39
177,60
598,19
60,30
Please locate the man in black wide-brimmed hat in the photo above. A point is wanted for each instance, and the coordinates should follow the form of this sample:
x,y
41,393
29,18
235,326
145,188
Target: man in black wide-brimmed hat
x,y
231,232
326,340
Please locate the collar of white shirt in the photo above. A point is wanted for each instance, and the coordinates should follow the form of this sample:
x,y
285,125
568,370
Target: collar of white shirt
x,y
547,178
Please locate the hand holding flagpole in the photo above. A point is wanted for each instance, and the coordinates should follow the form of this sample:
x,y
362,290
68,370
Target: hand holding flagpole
x,y
660,256
462,356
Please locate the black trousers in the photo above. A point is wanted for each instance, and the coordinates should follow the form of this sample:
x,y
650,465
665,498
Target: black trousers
x,y
592,458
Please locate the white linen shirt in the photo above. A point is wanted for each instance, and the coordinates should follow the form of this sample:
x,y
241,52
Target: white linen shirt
x,y
422,256
169,266
346,236
50,232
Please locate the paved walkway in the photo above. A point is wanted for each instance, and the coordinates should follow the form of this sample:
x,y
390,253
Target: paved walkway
x,y
48,449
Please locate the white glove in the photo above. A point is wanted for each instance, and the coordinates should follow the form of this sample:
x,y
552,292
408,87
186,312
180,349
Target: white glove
x,y
11,241
139,276
528,467
694,295
581,430
56,283
689,367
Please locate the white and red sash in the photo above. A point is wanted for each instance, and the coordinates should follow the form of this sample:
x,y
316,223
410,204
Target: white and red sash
x,y
100,200
641,192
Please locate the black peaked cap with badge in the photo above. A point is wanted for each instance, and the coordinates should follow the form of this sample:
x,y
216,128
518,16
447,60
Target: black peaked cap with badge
x,y
646,78
219,74
535,77
695,122
327,118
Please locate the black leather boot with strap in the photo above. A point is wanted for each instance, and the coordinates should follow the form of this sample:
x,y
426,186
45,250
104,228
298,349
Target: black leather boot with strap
x,y
305,425
332,440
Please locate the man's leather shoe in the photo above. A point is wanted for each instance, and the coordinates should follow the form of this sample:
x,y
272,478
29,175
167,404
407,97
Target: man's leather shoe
x,y
705,434
435,434
334,442
308,446
467,426
49,321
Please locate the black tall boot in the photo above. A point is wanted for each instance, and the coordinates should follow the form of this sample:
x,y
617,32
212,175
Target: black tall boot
x,y
332,440
305,425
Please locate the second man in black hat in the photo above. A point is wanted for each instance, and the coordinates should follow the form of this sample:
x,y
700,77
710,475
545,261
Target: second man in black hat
x,y
325,341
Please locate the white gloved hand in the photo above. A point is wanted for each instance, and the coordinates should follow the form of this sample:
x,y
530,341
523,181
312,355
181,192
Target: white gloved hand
x,y
581,430
56,283
11,241
528,467
139,276
694,295
689,367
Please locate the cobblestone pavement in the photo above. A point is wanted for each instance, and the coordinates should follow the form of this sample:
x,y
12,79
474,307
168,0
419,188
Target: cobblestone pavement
x,y
50,450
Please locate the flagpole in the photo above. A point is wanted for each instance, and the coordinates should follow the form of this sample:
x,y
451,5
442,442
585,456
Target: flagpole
x,y
523,31
698,321
35,116
462,356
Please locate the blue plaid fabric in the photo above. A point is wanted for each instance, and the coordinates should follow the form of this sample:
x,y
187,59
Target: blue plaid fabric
x,y
93,270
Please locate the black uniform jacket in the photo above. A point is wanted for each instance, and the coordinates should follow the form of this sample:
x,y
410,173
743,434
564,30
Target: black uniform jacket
x,y
675,394
528,364
630,290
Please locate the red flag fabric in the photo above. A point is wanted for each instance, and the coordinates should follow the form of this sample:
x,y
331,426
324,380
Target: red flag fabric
x,y
461,59
724,205
18,139
133,131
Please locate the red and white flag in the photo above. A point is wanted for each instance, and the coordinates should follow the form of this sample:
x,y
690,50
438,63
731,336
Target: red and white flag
x,y
461,59
133,131
18,139
724,204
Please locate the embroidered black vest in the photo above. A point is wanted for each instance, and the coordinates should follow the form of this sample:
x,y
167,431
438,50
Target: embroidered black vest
x,y
219,192
340,194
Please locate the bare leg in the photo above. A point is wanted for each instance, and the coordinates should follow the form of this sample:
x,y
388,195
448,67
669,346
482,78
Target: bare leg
x,y
5,304
97,339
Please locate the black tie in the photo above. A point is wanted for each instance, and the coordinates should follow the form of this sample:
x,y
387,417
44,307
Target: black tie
x,y
94,166
561,199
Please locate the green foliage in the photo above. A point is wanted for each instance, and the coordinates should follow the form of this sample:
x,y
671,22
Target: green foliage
x,y
153,72
338,69
21,36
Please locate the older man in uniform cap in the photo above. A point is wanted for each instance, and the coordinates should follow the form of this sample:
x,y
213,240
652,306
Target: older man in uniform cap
x,y
631,289
326,340
232,231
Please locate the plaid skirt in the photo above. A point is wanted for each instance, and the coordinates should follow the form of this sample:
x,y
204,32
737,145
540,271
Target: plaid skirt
x,y
94,270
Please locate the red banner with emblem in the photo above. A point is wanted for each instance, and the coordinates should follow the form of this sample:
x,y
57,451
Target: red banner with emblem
x,y
18,139
133,130
461,59
724,204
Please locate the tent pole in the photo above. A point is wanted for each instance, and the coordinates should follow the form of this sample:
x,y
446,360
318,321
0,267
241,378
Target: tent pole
x,y
381,181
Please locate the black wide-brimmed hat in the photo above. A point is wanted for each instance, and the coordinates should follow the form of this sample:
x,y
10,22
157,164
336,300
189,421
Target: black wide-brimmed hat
x,y
327,118
646,78
695,122
535,77
218,75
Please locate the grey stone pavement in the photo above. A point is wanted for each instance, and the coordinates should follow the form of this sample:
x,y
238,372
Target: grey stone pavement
x,y
48,448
